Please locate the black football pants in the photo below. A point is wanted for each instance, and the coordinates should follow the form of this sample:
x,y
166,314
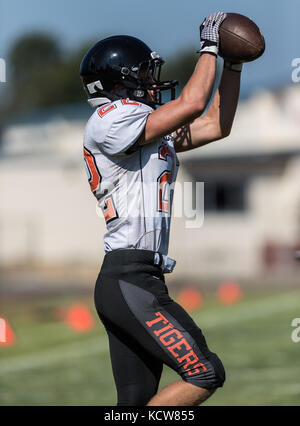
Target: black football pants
x,y
147,329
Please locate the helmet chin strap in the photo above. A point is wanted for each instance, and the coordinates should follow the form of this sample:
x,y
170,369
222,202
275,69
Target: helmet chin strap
x,y
96,102
104,97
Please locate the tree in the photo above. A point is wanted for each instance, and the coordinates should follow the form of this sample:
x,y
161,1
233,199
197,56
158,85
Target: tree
x,y
180,67
64,84
43,74
30,59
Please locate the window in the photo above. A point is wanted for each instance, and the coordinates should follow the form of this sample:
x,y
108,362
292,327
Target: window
x,y
224,196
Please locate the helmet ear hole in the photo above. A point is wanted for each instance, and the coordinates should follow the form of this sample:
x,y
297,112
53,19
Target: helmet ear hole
x,y
92,87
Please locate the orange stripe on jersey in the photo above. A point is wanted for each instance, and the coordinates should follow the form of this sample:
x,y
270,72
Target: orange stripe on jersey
x,y
105,109
127,102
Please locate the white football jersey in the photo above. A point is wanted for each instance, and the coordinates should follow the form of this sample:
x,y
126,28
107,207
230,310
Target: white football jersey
x,y
133,184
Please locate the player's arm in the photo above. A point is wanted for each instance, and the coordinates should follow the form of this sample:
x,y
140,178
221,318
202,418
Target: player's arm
x,y
188,106
197,92
217,122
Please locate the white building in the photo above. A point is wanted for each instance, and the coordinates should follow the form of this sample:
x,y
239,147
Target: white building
x,y
252,196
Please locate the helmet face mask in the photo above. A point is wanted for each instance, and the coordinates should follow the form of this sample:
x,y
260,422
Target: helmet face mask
x,y
124,61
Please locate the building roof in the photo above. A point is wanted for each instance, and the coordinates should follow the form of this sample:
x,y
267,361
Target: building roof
x,y
265,124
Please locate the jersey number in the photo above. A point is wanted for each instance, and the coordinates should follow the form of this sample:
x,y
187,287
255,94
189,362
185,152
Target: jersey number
x,y
164,180
109,210
92,170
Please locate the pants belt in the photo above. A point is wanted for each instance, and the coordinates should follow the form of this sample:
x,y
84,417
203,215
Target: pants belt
x,y
164,262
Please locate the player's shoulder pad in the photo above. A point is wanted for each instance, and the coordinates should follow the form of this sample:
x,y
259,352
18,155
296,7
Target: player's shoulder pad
x,y
116,126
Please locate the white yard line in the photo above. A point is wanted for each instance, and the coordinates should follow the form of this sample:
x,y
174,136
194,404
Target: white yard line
x,y
293,389
56,355
248,310
267,373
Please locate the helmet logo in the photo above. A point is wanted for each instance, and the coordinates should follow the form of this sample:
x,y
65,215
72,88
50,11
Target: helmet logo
x,y
139,93
91,87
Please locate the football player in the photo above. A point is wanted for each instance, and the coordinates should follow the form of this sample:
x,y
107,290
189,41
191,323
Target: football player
x,y
130,151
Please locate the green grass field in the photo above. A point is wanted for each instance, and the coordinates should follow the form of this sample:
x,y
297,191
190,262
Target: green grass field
x,y
52,365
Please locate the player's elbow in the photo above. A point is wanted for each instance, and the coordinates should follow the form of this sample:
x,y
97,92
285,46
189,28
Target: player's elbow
x,y
216,129
226,130
193,106
225,133
219,134
223,129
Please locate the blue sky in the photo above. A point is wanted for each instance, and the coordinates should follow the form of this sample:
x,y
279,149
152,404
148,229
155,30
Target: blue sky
x,y
166,25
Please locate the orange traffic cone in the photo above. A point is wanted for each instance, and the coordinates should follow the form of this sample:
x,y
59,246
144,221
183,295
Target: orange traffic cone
x,y
190,298
7,336
229,292
79,318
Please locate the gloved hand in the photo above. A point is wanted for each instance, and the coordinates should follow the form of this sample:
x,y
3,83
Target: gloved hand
x,y
209,33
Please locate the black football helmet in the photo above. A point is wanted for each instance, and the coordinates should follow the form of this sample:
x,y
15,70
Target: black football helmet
x,y
128,61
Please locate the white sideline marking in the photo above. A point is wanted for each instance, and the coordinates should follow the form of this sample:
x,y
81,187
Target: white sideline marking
x,y
248,310
55,355
250,374
290,389
98,345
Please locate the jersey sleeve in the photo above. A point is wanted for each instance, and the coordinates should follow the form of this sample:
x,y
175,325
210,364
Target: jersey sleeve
x,y
119,125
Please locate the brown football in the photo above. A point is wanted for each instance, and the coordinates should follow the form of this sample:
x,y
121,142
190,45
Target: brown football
x,y
240,39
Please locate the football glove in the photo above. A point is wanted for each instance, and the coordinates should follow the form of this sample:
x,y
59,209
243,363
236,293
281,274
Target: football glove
x,y
209,33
